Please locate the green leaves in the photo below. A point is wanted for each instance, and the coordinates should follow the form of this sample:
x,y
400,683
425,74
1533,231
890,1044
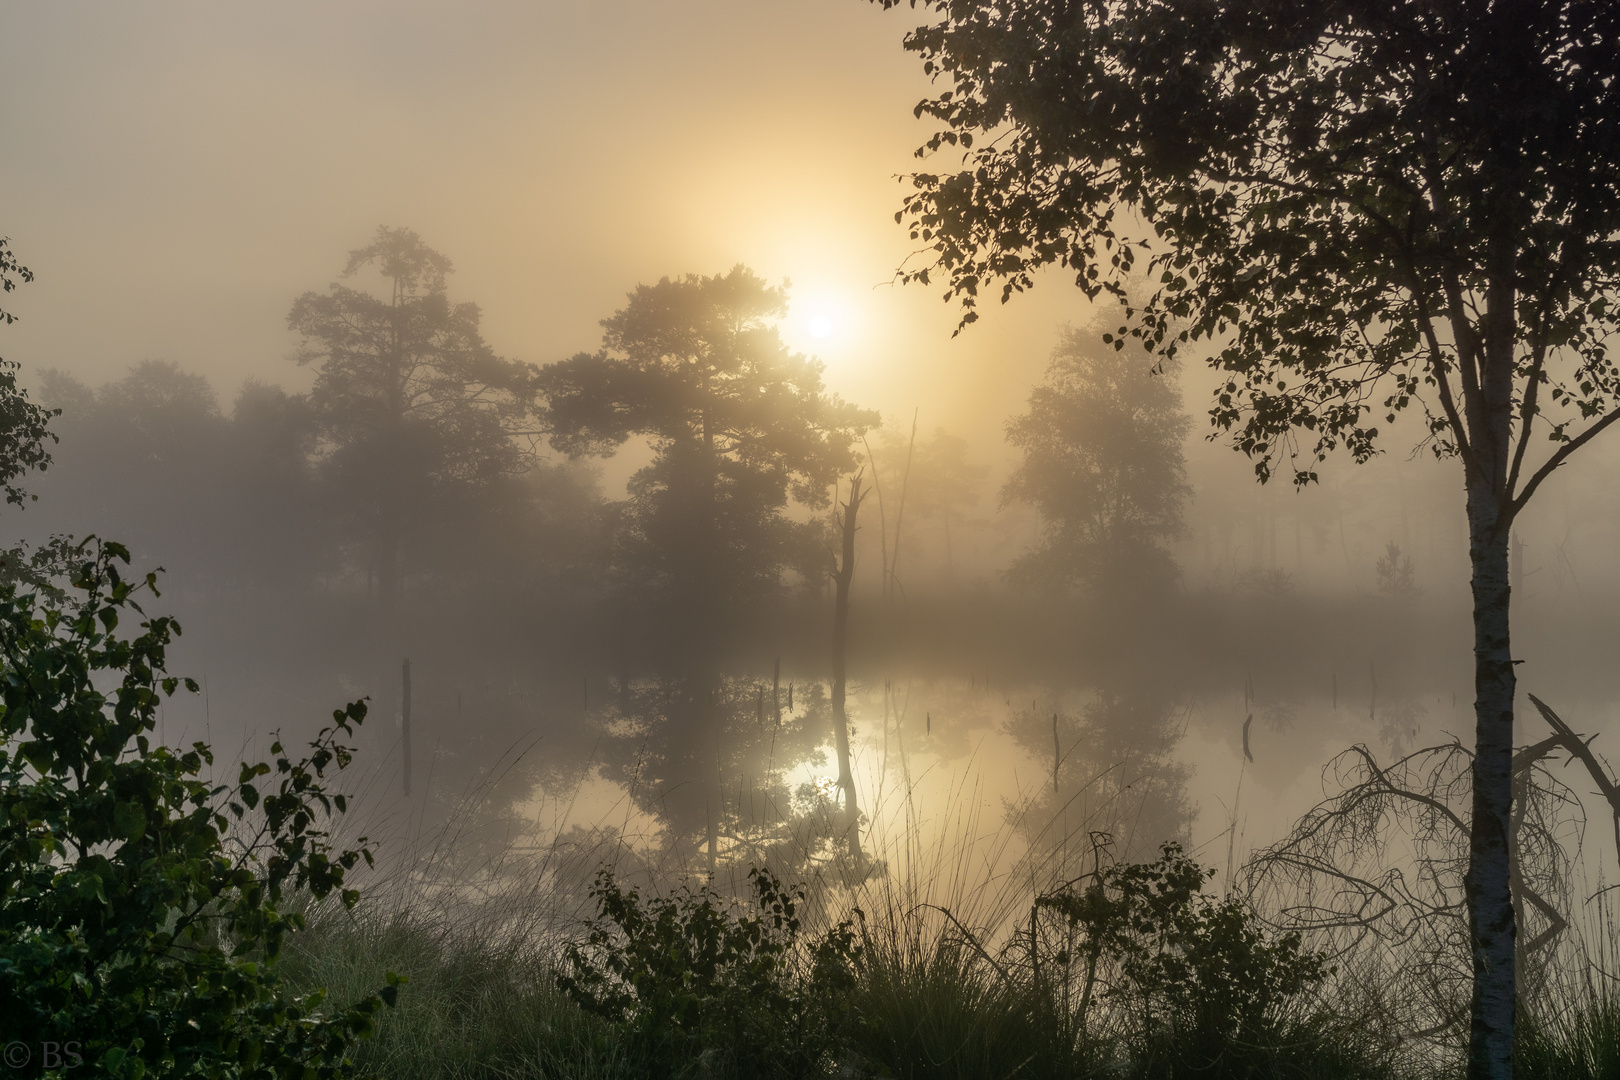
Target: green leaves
x,y
128,924
22,423
1194,978
691,979
1348,195
129,821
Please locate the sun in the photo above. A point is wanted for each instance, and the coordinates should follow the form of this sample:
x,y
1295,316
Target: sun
x,y
820,320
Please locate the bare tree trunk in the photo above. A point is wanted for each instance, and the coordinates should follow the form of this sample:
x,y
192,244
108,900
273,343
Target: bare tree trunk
x,y
1057,752
714,794
703,609
846,572
713,812
1489,882
1581,749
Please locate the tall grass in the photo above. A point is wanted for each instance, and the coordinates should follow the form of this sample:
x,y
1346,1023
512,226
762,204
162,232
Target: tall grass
x,y
476,1007
932,1006
957,976
1581,1042
929,1002
1572,1030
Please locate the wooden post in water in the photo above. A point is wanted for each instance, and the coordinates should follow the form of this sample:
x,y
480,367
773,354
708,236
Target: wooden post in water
x,y
846,571
1057,752
405,721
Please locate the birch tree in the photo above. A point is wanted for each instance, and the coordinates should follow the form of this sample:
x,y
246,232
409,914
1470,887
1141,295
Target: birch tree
x,y
1357,208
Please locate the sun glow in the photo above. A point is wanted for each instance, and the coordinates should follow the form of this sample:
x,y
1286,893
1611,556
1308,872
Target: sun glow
x,y
819,321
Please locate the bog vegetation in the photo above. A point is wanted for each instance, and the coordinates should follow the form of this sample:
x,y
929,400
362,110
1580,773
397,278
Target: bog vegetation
x,y
1343,218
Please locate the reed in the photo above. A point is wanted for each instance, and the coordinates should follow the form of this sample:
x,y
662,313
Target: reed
x,y
961,969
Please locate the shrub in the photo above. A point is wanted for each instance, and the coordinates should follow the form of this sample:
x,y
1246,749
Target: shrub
x,y
140,907
702,989
1190,984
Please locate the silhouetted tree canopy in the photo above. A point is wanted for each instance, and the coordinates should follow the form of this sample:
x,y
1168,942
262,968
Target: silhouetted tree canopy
x,y
22,423
246,498
1363,207
416,410
739,426
228,498
168,414
1102,462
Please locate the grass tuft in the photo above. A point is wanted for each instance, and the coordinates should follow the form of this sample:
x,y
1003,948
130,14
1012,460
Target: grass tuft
x,y
476,1008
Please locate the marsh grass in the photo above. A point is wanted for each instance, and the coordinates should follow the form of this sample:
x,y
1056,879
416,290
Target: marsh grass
x,y
928,1003
1582,1042
1572,1031
954,978
477,1008
932,1007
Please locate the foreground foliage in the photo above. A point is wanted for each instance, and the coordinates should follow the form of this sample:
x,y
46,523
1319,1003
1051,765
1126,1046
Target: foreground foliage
x,y
23,425
482,1003
1189,984
700,989
141,907
1355,209
693,983
1128,971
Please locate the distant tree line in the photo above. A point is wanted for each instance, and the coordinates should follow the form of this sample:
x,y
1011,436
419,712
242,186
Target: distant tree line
x,y
416,469
416,459
263,495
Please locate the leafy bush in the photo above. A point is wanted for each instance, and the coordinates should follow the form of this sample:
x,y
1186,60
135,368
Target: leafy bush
x,y
701,989
1193,985
140,907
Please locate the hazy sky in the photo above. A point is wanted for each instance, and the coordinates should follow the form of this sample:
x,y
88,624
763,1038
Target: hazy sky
x,y
176,173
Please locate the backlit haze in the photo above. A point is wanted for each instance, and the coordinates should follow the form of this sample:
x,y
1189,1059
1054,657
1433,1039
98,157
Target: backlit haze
x,y
176,174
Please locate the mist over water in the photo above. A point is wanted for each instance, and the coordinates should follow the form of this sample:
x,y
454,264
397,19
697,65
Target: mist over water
x,y
617,649
547,703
